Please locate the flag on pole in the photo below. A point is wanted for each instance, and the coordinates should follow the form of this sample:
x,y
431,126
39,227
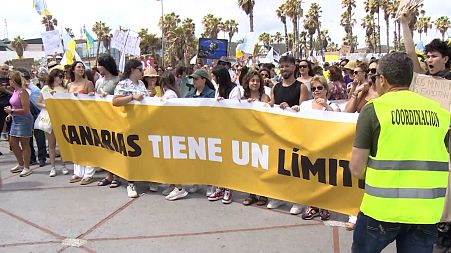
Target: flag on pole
x,y
69,46
41,7
89,39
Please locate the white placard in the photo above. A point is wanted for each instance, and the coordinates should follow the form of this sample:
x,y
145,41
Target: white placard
x,y
52,42
124,41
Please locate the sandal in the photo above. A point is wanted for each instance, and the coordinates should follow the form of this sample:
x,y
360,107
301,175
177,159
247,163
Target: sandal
x,y
104,182
262,201
74,179
250,200
115,183
310,213
324,214
86,181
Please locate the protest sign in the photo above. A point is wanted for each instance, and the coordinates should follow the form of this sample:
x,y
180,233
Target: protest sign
x,y
126,42
435,88
249,147
52,42
25,63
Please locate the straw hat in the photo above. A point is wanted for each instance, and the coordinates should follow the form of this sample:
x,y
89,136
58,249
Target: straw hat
x,y
150,73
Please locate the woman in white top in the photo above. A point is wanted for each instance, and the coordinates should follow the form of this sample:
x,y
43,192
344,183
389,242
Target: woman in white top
x,y
55,84
226,90
320,90
129,89
170,91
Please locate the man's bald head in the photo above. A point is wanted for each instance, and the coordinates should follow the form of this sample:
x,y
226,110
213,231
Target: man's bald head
x,y
4,70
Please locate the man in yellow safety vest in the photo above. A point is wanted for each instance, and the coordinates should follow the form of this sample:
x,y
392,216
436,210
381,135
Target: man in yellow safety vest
x,y
400,151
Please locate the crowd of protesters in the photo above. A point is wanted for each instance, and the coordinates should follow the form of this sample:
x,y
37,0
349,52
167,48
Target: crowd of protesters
x,y
297,85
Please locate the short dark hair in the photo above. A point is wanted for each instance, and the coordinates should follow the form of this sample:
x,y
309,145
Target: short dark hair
x,y
397,68
129,66
109,64
287,58
179,70
441,47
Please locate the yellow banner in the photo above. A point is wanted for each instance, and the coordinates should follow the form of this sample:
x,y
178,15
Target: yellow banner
x,y
250,147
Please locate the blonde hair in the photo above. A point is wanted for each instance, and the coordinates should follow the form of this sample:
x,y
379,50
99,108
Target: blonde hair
x,y
321,80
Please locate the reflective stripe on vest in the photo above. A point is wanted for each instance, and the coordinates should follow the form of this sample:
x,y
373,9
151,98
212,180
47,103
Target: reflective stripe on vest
x,y
413,193
407,165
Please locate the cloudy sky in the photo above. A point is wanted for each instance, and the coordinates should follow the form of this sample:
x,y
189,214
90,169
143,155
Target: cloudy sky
x,y
23,20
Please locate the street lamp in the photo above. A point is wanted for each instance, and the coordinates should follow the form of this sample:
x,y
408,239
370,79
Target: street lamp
x,y
162,39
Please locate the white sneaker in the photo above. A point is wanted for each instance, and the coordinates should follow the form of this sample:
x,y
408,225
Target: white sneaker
x,y
274,203
295,209
177,194
194,188
153,187
25,172
168,190
64,170
16,169
210,190
52,172
131,191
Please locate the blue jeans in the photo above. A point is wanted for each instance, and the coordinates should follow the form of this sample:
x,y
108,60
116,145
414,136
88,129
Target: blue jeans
x,y
372,236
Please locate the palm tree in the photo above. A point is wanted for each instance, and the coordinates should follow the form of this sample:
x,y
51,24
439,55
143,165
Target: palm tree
x,y
347,21
386,6
19,46
168,24
49,22
303,42
102,31
314,14
283,18
367,23
149,42
396,34
310,26
292,9
212,26
371,8
230,27
277,38
443,24
248,7
423,24
265,38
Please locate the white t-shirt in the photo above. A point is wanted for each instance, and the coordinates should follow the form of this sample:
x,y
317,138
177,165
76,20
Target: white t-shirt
x,y
308,105
168,94
235,93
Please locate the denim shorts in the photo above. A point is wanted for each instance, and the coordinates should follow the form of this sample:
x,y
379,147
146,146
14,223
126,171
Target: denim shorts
x,y
22,125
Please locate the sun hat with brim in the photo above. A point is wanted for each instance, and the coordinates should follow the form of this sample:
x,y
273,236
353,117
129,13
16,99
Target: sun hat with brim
x,y
351,65
150,73
200,73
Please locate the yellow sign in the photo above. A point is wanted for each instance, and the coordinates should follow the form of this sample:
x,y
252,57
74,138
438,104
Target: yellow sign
x,y
250,147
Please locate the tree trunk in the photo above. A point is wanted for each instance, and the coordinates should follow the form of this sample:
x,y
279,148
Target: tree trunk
x,y
228,48
387,22
311,44
251,20
379,29
399,35
321,44
286,35
443,36
295,36
98,49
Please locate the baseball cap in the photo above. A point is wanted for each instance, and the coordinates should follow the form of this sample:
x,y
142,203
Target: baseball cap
x,y
200,73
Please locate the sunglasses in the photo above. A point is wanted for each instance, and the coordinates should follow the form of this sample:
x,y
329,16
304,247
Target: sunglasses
x,y
372,71
319,88
356,72
265,75
60,76
303,66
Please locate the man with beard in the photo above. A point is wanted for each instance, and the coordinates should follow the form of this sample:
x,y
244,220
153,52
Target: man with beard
x,y
288,93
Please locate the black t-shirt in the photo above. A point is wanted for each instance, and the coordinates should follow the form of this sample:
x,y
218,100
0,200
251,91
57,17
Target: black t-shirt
x,y
289,94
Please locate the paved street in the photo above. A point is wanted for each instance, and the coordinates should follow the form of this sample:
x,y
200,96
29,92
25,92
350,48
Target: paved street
x,y
43,214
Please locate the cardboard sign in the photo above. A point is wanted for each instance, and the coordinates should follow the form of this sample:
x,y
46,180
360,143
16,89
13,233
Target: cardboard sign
x,y
25,63
126,42
435,88
52,42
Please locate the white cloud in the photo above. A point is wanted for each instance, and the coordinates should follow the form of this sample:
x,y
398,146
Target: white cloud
x,y
23,20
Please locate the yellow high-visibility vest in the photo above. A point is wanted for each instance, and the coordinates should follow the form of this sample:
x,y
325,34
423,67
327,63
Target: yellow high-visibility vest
x,y
407,179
